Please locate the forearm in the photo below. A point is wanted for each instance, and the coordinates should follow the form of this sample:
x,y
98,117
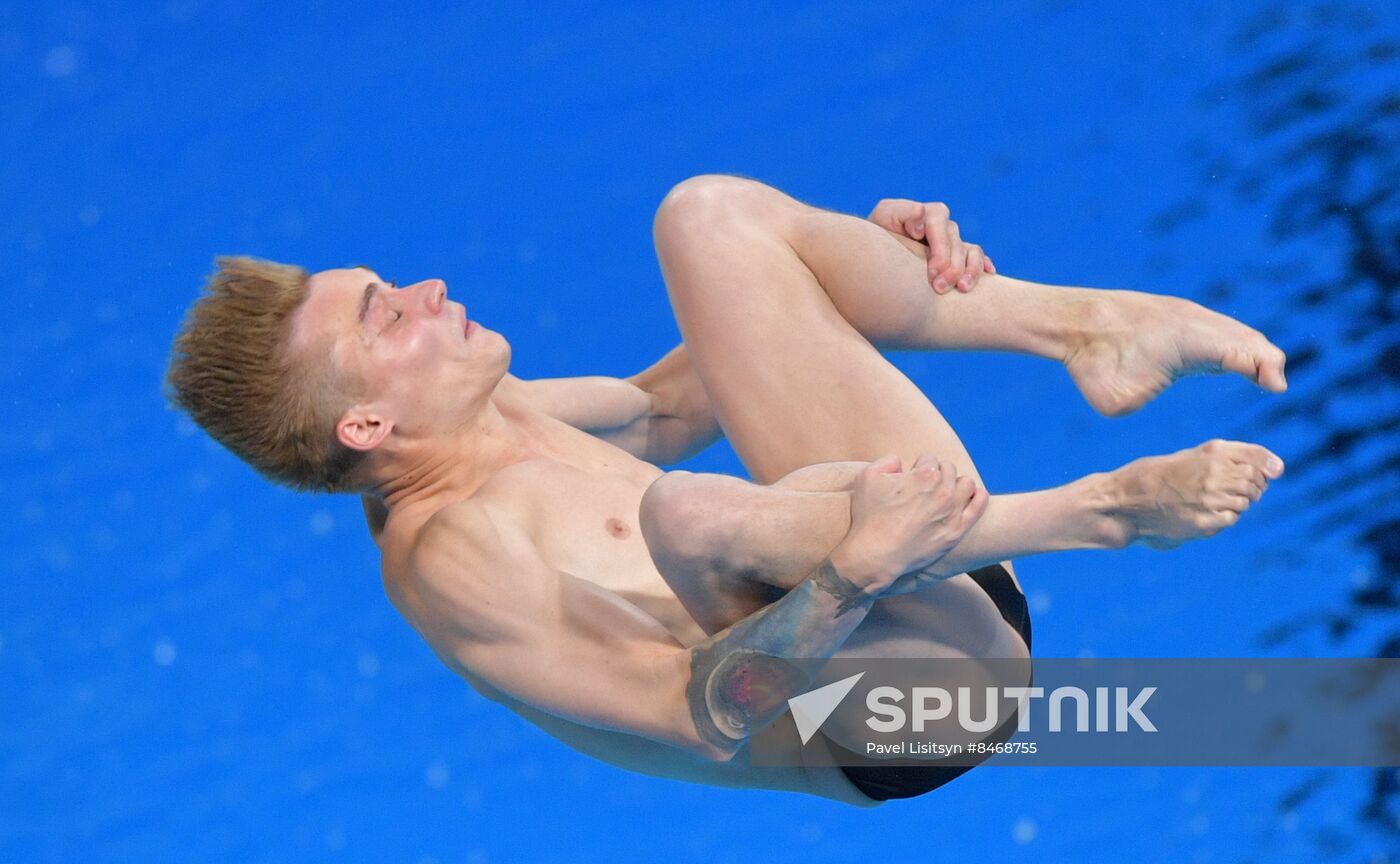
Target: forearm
x,y
681,421
741,678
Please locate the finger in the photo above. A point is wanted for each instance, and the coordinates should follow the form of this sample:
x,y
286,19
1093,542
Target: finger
x,y
957,255
964,489
925,459
927,473
973,268
890,464
891,213
989,266
898,212
914,222
976,506
939,250
946,482
927,477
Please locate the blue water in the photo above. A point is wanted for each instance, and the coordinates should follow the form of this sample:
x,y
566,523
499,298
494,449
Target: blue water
x,y
197,666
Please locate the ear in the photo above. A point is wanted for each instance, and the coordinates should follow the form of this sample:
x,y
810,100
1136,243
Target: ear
x,y
362,430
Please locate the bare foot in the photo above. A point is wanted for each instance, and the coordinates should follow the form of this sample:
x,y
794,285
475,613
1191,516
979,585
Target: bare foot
x,y
1136,345
1163,501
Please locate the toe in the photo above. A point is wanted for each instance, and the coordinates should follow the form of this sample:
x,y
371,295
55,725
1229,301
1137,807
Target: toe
x,y
1260,361
1262,458
1234,503
1247,479
1271,361
1243,361
1251,487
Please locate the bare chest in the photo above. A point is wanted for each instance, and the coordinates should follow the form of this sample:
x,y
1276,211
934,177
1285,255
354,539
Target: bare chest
x,y
584,521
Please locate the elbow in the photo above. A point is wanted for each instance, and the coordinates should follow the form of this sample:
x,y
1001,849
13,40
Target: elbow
x,y
700,735
691,724
720,753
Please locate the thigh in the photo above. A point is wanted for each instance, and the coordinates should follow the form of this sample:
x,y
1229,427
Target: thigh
x,y
793,383
790,380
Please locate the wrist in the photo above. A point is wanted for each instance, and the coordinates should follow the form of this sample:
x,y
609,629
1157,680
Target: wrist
x,y
859,566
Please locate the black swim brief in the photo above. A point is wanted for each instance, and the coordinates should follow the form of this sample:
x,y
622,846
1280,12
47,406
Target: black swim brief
x,y
883,782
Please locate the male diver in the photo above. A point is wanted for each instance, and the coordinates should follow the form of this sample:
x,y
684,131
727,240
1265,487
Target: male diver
x,y
657,620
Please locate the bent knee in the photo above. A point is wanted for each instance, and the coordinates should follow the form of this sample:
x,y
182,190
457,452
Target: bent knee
x,y
704,194
708,201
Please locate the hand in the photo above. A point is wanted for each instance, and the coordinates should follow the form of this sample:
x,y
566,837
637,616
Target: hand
x,y
904,521
951,262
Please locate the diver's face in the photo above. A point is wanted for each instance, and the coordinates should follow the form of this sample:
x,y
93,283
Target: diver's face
x,y
421,362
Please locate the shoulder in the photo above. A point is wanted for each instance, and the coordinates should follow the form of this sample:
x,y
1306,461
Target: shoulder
x,y
467,538
498,519
456,576
470,561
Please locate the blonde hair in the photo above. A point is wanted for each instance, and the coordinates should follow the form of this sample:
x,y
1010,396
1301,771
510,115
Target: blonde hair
x,y
232,369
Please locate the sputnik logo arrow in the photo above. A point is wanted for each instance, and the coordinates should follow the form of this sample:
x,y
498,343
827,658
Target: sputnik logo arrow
x,y
810,710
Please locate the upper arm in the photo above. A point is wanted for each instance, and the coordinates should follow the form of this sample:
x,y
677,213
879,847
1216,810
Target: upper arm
x,y
661,415
588,402
494,610
613,409
683,420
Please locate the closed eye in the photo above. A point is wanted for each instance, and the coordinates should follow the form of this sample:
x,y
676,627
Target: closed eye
x,y
392,322
397,313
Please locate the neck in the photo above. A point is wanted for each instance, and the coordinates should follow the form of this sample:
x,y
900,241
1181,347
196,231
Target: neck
x,y
455,465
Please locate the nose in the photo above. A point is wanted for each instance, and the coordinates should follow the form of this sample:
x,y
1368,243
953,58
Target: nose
x,y
436,293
